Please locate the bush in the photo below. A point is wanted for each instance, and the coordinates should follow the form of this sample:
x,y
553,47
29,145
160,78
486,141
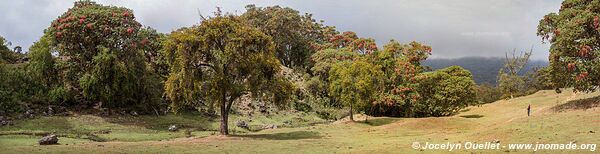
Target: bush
x,y
446,92
17,87
487,93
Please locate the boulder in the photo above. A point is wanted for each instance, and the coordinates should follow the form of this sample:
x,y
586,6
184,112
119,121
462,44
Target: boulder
x,y
262,107
29,111
48,140
173,128
29,114
50,111
241,124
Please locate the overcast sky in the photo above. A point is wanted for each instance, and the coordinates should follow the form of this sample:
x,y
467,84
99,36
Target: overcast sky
x,y
454,28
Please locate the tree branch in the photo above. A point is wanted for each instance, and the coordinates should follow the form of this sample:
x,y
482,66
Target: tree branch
x,y
204,64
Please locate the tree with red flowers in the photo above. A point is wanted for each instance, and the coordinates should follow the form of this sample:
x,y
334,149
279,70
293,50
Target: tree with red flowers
x,y
575,37
350,41
102,55
402,68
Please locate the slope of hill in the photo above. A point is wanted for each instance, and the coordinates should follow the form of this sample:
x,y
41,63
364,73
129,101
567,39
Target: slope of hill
x,y
484,70
504,122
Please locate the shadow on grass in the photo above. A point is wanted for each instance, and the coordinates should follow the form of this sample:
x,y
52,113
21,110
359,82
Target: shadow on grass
x,y
186,120
580,104
297,135
472,116
380,121
49,124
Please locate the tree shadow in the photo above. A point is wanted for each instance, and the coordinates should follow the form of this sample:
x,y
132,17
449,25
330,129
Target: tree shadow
x,y
580,104
297,135
472,116
380,121
186,120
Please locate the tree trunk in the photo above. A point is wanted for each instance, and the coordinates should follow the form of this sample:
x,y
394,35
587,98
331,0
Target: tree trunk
x,y
224,130
351,116
224,119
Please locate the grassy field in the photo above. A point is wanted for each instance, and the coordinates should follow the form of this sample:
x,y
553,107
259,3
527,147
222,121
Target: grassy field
x,y
505,121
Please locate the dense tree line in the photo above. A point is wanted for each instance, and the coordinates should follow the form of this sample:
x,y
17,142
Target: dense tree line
x,y
99,56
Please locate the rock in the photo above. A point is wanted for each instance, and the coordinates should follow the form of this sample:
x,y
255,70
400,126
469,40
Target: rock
x,y
133,113
241,124
48,140
269,126
50,111
592,131
173,128
4,123
262,107
29,111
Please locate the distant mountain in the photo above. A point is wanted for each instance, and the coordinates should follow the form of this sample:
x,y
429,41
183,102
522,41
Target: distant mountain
x,y
484,69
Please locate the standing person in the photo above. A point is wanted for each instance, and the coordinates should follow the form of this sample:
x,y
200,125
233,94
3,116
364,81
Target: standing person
x,y
528,109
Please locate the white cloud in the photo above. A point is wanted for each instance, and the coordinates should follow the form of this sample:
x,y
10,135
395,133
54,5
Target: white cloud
x,y
494,27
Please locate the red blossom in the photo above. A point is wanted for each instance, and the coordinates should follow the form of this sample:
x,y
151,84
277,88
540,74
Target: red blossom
x,y
596,21
571,66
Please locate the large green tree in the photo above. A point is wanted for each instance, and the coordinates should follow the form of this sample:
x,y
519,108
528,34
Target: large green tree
x,y
445,92
355,83
103,60
220,60
292,33
575,42
41,64
324,60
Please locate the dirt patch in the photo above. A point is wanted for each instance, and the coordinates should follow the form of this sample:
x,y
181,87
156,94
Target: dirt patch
x,y
581,104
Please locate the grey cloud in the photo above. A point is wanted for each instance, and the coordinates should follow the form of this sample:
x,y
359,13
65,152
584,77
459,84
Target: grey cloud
x,y
454,28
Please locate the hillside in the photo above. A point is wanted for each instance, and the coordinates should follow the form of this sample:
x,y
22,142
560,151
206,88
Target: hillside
x,y
504,121
484,70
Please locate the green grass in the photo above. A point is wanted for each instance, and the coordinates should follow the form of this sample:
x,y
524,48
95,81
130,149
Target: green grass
x,y
505,120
